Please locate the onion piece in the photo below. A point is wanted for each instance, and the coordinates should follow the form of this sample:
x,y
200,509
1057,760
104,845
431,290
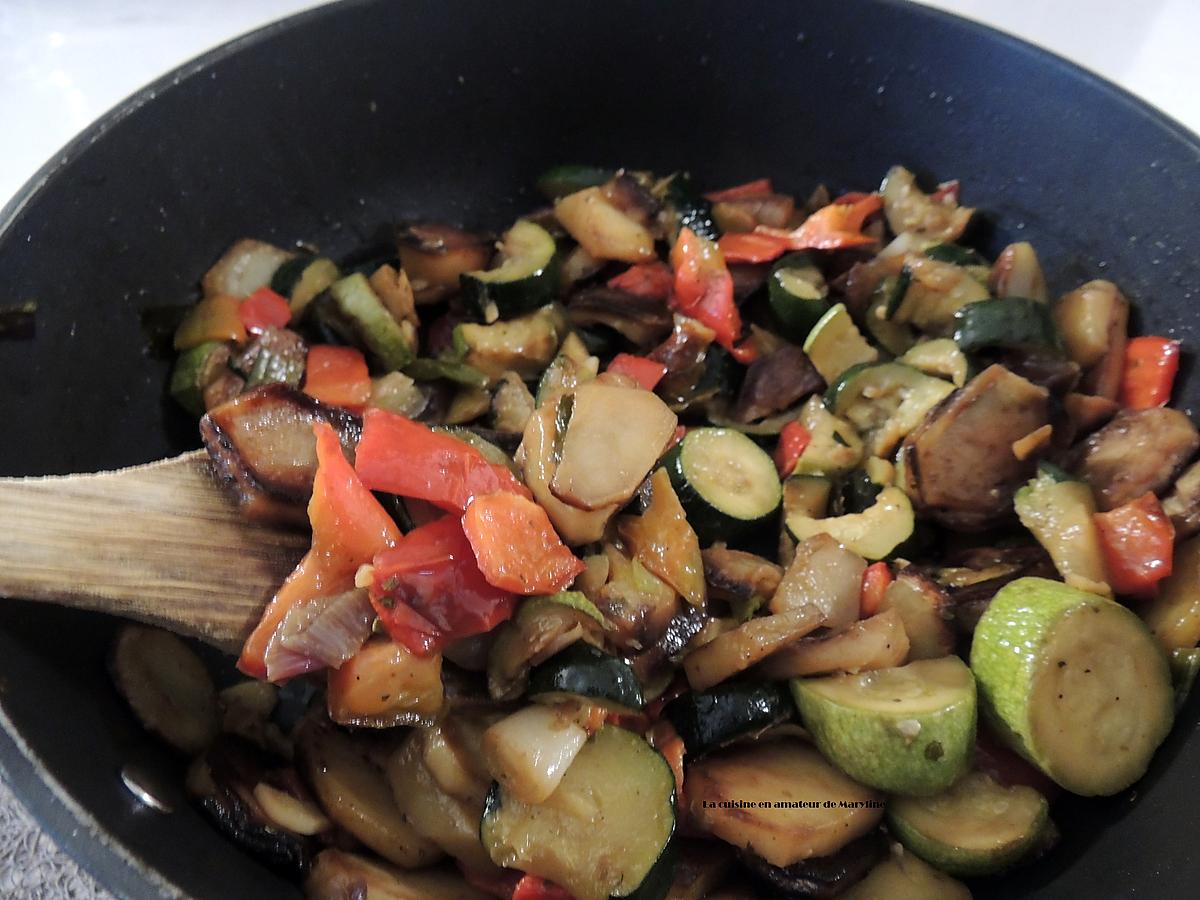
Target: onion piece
x,y
322,632
737,650
529,752
825,574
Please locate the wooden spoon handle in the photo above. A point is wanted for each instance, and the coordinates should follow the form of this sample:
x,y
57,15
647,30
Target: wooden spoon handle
x,y
160,543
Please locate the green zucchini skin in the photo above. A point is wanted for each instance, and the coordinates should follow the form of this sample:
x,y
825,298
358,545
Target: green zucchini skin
x,y
707,720
194,370
1010,323
955,254
709,522
490,297
795,313
689,209
585,671
568,179
350,311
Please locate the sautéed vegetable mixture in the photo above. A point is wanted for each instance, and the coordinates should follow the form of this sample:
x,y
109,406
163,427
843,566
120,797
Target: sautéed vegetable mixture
x,y
678,545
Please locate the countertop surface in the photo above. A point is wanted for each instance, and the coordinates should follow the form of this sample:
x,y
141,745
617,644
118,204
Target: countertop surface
x,y
65,62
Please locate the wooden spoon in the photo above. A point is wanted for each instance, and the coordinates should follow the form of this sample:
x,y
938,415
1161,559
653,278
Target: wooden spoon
x,y
160,543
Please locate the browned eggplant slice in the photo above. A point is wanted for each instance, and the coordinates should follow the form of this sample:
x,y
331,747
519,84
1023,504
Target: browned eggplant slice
x,y
262,445
821,877
640,320
776,382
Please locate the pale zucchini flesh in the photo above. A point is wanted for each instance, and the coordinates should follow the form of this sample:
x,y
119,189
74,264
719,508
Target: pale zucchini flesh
x,y
601,831
908,730
1073,682
834,446
1059,514
835,344
978,827
885,402
873,533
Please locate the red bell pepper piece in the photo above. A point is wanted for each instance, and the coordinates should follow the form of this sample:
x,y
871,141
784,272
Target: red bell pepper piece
x,y
646,372
516,547
404,457
1151,364
1138,542
749,247
337,375
755,188
652,280
264,309
704,287
837,226
349,528
875,581
428,590
793,440
531,887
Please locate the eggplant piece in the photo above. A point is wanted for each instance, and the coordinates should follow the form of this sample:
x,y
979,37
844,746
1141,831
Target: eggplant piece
x,y
656,662
684,353
1057,375
738,575
1086,412
748,279
223,783
434,255
262,444
821,877
1138,451
1093,320
1183,503
699,867
637,603
166,685
959,465
776,382
277,356
632,198
640,320
973,577
744,213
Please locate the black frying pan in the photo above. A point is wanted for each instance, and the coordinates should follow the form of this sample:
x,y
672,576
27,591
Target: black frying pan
x,y
340,120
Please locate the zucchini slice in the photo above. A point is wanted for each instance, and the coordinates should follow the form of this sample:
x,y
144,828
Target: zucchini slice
x,y
606,831
526,277
1012,323
834,447
835,344
905,876
301,278
195,370
166,685
797,292
524,345
583,671
725,481
894,337
1059,514
941,357
354,313
978,827
707,720
956,254
885,401
908,730
1088,697
772,798
873,534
